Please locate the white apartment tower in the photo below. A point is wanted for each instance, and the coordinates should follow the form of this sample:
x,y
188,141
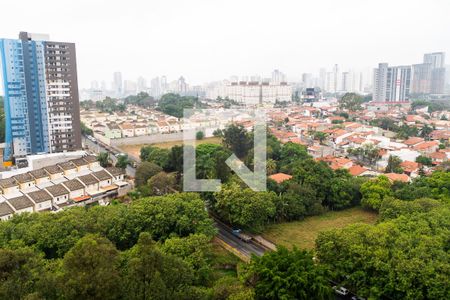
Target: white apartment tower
x,y
391,84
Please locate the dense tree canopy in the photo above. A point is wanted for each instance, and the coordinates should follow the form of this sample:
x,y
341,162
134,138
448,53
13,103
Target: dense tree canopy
x,y
103,159
284,274
393,165
244,207
401,258
375,191
122,161
145,171
180,214
156,155
154,248
351,102
142,99
237,140
174,104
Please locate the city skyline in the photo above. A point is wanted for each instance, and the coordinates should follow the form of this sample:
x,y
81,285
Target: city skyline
x,y
174,41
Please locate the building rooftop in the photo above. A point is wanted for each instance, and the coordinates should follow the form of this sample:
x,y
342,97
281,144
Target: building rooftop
x,y
68,165
54,169
39,173
22,178
79,162
5,209
73,185
426,145
8,182
57,190
409,166
356,170
102,175
20,202
280,177
115,171
90,158
40,196
397,177
88,179
413,140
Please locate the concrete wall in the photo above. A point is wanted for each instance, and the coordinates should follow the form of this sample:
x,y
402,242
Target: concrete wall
x,y
102,138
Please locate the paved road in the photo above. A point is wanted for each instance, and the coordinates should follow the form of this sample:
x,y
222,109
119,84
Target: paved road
x,y
245,248
99,147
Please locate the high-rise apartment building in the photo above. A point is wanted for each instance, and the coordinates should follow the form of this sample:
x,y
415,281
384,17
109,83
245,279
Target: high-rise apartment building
x,y
141,84
429,76
391,84
155,87
253,92
41,96
277,77
117,83
307,80
436,59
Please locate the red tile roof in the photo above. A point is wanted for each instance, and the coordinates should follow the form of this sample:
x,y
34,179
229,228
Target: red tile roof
x,y
280,177
426,145
413,141
356,170
397,177
409,166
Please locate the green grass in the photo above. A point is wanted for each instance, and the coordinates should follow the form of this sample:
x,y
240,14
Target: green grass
x,y
304,233
224,263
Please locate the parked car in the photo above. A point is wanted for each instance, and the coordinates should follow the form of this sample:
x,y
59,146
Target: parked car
x,y
340,290
92,139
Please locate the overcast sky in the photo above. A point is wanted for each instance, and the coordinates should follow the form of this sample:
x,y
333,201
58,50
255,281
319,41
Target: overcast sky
x,y
206,40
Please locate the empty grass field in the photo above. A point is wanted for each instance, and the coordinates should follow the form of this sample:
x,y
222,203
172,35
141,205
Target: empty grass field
x,y
304,233
136,149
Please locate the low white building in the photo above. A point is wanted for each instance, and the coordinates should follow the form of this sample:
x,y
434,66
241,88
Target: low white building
x,y
42,200
75,187
6,211
21,204
59,193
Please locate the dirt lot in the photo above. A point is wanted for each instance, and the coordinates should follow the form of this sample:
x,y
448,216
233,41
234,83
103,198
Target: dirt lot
x,y
135,149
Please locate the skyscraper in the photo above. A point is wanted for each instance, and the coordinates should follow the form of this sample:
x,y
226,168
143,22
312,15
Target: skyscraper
x,y
277,77
307,80
429,76
141,84
337,78
164,86
117,83
391,84
155,87
421,79
182,86
436,59
41,96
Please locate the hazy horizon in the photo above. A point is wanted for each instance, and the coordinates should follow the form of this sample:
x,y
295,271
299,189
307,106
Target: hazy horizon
x,y
211,40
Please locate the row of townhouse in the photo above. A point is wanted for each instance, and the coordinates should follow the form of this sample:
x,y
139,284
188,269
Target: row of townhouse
x,y
72,183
